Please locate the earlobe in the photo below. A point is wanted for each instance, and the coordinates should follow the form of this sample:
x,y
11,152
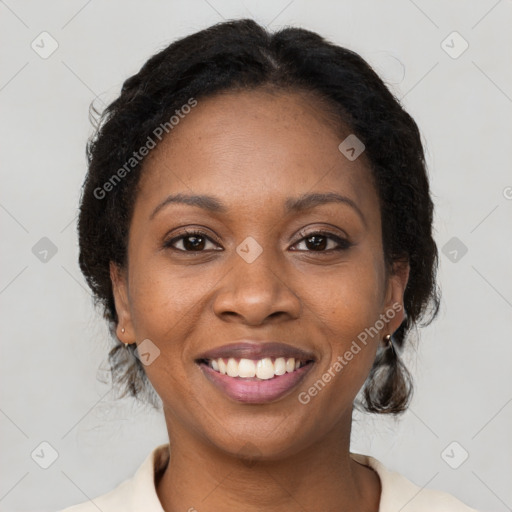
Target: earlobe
x,y
124,329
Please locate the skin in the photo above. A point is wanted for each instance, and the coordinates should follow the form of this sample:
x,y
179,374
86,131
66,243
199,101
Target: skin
x,y
252,150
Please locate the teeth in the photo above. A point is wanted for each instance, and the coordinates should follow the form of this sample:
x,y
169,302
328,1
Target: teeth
x,y
280,366
246,368
232,367
263,369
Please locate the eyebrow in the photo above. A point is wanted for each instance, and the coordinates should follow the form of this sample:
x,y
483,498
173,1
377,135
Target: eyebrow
x,y
292,204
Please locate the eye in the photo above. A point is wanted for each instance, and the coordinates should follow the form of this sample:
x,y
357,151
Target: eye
x,y
318,241
191,241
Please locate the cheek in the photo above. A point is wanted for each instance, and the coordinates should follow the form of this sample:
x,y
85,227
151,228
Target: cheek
x,y
351,298
347,308
162,297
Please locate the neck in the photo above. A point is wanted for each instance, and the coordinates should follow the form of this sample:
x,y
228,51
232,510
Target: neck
x,y
323,476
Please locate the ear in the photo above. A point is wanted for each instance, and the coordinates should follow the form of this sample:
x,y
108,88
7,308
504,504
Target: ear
x,y
394,304
120,291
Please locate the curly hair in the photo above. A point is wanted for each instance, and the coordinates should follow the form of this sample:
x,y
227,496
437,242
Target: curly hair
x,y
242,55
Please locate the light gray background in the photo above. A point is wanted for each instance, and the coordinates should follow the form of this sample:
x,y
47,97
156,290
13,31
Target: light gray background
x,y
53,342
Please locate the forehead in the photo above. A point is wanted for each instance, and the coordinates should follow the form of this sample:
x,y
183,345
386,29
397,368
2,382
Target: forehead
x,y
256,145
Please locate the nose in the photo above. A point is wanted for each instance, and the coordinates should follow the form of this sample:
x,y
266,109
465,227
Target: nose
x,y
254,293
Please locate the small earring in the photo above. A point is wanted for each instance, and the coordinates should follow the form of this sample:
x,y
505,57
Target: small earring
x,y
389,342
125,344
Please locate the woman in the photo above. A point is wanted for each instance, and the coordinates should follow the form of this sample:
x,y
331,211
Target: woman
x,y
256,222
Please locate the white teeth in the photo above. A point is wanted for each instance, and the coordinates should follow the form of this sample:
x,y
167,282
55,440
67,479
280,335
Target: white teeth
x,y
246,368
280,366
263,369
232,367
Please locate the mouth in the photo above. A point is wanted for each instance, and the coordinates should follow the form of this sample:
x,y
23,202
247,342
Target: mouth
x,y
256,373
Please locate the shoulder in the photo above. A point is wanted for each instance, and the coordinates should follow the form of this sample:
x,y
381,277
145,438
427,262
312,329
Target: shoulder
x,y
133,494
399,493
109,502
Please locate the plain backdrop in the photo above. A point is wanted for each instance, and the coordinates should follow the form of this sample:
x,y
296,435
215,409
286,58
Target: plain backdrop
x,y
458,87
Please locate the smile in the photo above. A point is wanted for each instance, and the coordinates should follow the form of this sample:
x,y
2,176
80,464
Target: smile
x,y
255,381
255,371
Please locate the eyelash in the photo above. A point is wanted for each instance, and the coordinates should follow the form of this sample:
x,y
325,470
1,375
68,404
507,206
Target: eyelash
x,y
343,244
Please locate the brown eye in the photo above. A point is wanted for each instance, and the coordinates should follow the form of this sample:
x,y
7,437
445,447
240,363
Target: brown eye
x,y
192,241
318,241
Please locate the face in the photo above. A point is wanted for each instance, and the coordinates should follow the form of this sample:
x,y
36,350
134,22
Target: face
x,y
256,268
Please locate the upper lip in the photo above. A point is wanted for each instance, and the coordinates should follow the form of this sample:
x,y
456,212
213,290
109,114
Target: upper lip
x,y
250,349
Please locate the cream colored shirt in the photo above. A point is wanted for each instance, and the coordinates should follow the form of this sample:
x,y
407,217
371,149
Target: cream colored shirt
x,y
138,493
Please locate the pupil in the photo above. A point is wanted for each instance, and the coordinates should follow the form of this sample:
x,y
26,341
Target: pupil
x,y
317,245
194,244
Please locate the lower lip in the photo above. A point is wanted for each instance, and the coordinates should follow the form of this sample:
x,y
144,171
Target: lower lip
x,y
256,391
